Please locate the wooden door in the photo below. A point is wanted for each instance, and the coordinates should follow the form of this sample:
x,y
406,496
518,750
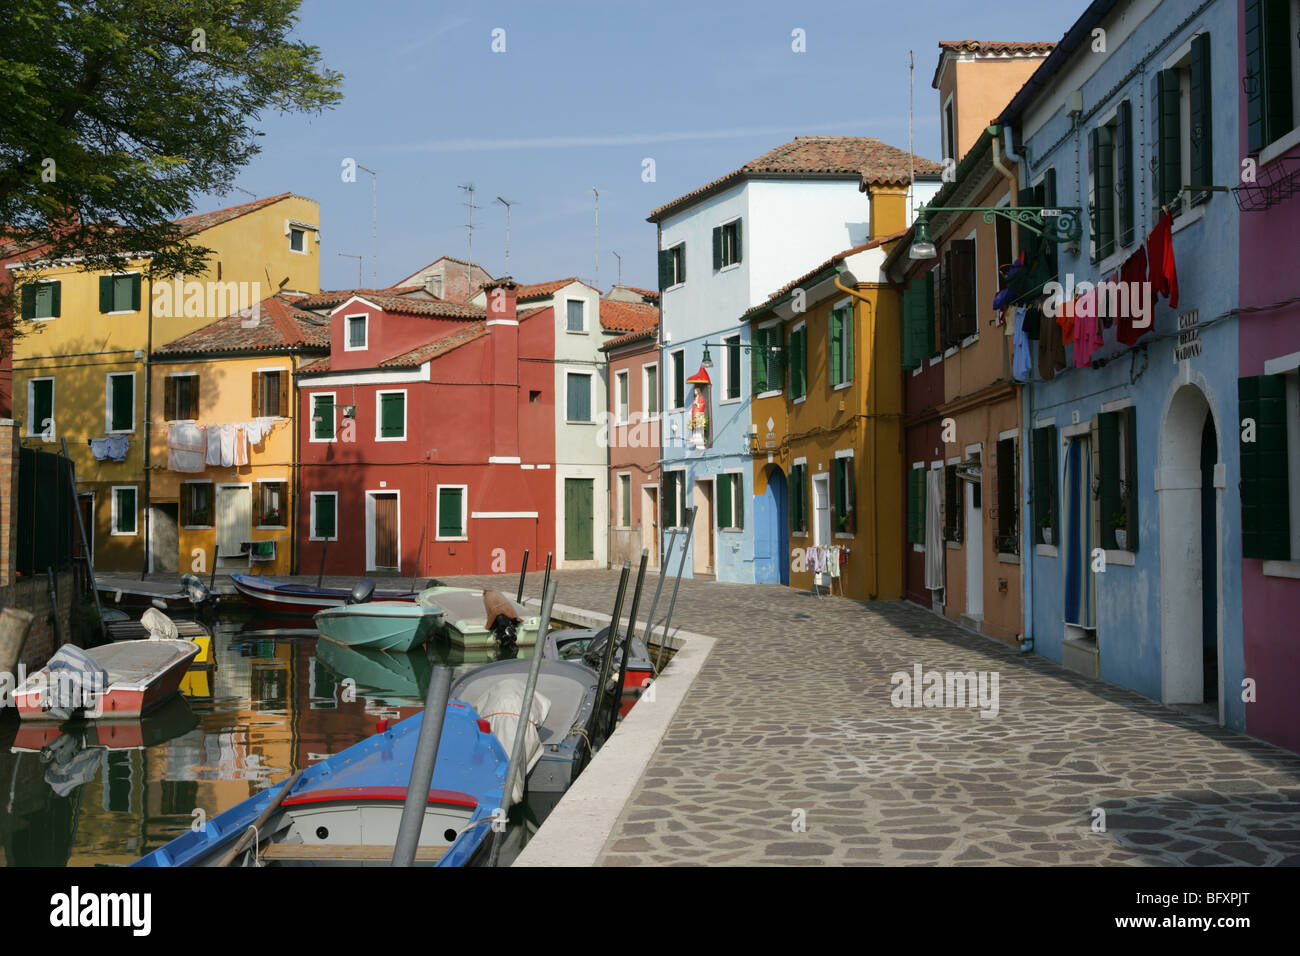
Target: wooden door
x,y
386,531
579,517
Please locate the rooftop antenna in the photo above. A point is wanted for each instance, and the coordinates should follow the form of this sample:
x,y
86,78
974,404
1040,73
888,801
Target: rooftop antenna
x,y
348,255
911,152
374,222
507,203
620,267
469,223
244,191
596,281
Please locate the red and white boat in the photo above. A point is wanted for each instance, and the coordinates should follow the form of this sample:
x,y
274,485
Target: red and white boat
x,y
115,681
286,598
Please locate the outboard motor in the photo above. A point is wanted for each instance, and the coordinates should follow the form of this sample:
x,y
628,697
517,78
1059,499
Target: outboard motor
x,y
195,588
362,592
506,633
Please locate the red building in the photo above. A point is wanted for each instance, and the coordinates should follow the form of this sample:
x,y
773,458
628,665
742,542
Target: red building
x,y
428,419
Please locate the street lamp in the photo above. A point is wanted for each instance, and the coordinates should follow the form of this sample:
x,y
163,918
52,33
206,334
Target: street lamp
x,y
922,246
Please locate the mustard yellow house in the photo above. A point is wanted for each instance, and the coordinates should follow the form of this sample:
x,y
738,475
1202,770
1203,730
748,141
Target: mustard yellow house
x,y
826,416
222,433
82,370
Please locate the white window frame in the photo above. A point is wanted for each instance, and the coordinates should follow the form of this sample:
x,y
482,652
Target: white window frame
x,y
624,498
108,404
284,506
172,375
586,326
622,412
591,392
31,405
464,512
305,227
677,283
738,489
794,330
728,266
379,398
646,391
114,513
311,416
347,332
670,392
44,318
212,505
726,398
311,528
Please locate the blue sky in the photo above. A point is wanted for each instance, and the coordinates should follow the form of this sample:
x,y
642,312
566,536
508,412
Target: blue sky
x,y
582,94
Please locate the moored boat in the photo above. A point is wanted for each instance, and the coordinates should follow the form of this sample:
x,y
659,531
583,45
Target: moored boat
x,y
289,598
469,620
117,681
588,645
378,625
346,809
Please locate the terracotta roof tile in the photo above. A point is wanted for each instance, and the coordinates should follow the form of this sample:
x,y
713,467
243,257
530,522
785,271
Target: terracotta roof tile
x,y
789,287
541,290
1009,48
627,316
206,220
281,326
333,297
647,333
439,346
320,365
862,156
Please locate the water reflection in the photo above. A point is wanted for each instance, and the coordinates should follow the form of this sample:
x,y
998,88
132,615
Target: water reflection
x,y
278,700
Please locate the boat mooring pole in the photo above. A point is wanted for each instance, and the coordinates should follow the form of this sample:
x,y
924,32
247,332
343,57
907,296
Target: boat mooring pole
x,y
627,645
547,578
663,574
523,570
681,566
426,755
607,658
81,525
517,759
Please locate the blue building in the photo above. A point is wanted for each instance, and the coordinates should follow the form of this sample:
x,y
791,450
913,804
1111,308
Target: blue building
x,y
724,248
1133,558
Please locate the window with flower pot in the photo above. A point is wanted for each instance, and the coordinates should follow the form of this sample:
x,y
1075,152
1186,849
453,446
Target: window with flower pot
x,y
1043,495
1115,486
272,501
196,504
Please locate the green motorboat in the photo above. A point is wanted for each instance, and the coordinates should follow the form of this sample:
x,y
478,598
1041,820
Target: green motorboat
x,y
465,621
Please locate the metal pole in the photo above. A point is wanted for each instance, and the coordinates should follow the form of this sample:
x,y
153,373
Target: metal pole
x,y
525,714
547,579
523,571
85,543
426,756
611,638
418,555
627,644
663,573
681,566
54,603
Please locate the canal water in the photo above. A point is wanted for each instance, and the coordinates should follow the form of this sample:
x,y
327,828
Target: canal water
x,y
278,701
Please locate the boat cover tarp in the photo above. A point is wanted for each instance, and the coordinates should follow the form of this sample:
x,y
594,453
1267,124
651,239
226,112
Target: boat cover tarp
x,y
499,704
72,669
159,625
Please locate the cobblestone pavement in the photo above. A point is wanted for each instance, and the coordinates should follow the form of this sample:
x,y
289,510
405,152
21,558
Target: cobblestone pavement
x,y
792,711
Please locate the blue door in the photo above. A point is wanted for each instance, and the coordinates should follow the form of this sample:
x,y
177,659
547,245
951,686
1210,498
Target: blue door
x,y
772,530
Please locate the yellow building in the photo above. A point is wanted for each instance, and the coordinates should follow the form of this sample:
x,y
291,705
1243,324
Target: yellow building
x,y
826,416
231,379
82,366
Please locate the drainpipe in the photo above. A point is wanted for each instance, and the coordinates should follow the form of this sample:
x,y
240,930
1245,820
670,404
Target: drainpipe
x,y
871,405
148,435
1010,177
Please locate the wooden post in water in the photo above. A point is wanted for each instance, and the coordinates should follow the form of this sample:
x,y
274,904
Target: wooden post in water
x,y
523,570
627,645
426,756
517,758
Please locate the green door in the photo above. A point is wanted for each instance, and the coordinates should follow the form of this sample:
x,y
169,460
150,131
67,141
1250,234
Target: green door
x,y
579,513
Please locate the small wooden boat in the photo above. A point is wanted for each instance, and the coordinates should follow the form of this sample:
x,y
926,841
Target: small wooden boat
x,y
378,625
189,595
466,622
286,598
122,680
345,810
563,736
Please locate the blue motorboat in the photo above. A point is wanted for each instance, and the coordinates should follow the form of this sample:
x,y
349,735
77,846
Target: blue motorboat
x,y
345,810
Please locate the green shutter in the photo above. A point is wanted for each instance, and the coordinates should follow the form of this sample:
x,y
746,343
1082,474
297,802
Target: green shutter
x,y
665,268
774,357
1111,502
1201,117
29,301
1133,475
1103,201
1279,46
42,405
320,408
717,248
122,391
1047,192
1168,158
733,368
1124,170
757,366
1254,79
105,293
392,409
325,523
1044,479
738,501
850,497
578,408
135,293
848,344
837,324
911,505
796,498
450,503
724,501
740,234
1265,490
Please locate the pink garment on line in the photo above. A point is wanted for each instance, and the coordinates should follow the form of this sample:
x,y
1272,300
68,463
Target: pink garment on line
x,y
1087,331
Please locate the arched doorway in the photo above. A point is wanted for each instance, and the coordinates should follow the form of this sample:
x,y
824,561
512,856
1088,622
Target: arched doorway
x,y
1189,487
772,528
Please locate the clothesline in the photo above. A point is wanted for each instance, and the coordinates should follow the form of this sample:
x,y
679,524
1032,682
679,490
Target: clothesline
x,y
192,447
827,559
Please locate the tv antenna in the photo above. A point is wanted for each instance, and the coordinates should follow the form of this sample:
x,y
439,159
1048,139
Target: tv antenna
x,y
348,255
596,281
507,203
374,222
620,266
469,223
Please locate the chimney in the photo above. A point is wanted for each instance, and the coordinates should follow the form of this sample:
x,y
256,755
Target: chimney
x,y
503,336
888,209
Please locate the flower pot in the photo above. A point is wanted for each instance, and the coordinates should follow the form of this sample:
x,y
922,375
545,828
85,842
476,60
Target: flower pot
x,y
1121,538
1047,535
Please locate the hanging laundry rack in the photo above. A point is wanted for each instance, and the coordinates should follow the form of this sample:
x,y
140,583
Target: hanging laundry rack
x,y
828,559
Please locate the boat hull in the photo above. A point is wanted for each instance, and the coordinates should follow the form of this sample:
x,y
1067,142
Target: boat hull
x,y
379,626
463,625
124,699
301,599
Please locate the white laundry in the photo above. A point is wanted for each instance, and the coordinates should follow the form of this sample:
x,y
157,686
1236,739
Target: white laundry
x,y
227,445
214,445
934,547
833,561
185,449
